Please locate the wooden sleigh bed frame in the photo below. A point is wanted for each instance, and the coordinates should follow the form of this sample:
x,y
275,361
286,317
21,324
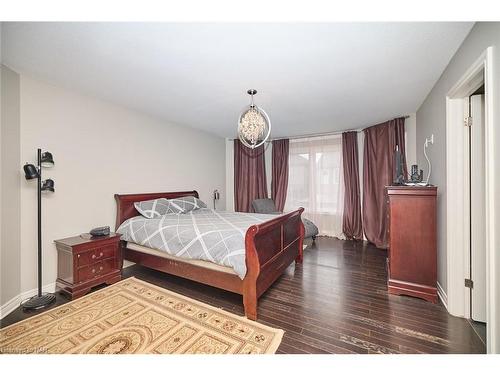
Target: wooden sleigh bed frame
x,y
270,248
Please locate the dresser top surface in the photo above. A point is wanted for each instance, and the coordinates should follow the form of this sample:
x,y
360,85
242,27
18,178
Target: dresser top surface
x,y
411,190
85,238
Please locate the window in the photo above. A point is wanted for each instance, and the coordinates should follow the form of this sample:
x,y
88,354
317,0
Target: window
x,y
315,181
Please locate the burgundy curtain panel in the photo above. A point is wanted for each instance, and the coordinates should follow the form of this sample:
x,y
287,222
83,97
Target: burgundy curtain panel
x,y
378,172
351,222
279,182
399,134
249,176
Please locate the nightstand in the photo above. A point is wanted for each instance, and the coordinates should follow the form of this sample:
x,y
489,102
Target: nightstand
x,y
84,262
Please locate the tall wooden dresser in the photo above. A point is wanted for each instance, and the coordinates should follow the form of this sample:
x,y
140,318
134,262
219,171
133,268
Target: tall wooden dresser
x,y
412,256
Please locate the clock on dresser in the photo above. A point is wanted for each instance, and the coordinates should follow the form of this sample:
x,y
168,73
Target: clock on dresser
x,y
85,261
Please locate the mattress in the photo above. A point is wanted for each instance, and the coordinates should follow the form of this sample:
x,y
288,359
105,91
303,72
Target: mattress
x,y
203,234
194,262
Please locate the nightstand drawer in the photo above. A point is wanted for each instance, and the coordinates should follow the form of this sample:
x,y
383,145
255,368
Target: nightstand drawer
x,y
95,270
91,256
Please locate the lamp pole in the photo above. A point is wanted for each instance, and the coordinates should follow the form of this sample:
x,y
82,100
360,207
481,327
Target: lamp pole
x,y
39,222
41,300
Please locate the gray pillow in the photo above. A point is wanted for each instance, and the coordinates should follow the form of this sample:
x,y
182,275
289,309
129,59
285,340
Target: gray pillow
x,y
186,204
156,207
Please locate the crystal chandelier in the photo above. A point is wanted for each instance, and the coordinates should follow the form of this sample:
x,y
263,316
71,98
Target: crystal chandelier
x,y
254,126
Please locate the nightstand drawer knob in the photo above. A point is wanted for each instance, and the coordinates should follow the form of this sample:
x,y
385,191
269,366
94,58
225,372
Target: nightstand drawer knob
x,y
100,268
93,270
100,255
78,255
93,256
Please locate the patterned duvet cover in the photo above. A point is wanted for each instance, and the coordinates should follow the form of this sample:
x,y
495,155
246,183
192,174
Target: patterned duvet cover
x,y
206,234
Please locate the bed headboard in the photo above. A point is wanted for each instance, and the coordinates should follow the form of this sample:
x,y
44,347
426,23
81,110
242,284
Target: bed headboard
x,y
125,202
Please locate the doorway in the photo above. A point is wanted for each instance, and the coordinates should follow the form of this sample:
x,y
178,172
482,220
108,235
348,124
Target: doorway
x,y
476,282
469,217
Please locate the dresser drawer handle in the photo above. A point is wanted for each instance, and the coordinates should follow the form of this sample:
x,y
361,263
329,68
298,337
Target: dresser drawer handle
x,y
78,256
93,270
95,257
101,268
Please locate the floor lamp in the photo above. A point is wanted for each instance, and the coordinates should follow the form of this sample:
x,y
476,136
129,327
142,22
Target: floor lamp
x,y
31,172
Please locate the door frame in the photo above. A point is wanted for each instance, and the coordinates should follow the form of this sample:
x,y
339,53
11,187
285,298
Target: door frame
x,y
457,200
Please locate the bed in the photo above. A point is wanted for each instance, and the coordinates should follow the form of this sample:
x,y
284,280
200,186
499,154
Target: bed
x,y
269,247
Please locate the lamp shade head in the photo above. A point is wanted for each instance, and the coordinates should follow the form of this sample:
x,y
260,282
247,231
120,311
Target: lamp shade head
x,y
47,160
30,171
48,185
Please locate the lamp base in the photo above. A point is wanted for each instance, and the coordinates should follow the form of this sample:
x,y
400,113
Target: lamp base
x,y
39,302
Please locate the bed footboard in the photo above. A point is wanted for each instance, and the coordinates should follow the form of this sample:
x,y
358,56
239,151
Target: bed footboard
x,y
270,248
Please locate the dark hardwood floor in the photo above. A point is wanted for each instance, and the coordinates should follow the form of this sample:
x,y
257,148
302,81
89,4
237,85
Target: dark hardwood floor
x,y
336,302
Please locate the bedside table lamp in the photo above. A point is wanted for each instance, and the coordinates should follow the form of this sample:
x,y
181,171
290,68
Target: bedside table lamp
x,y
45,159
216,196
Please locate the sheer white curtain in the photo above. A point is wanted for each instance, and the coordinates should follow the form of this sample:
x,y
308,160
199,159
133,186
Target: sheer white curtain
x,y
315,182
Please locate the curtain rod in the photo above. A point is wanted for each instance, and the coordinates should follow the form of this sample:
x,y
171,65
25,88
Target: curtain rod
x,y
318,134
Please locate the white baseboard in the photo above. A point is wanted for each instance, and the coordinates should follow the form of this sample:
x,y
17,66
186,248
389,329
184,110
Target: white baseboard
x,y
14,302
442,295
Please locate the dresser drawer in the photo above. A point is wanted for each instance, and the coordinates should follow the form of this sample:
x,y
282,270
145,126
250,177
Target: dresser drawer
x,y
96,270
91,256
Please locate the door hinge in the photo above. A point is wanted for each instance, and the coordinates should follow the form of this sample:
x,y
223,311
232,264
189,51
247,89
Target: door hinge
x,y
468,121
469,283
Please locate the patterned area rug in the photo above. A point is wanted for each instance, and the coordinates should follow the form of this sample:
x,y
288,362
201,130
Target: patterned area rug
x,y
133,316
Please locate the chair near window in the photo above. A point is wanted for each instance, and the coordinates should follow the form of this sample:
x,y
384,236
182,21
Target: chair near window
x,y
267,206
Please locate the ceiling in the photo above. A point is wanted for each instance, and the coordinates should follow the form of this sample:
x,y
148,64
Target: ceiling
x,y
311,78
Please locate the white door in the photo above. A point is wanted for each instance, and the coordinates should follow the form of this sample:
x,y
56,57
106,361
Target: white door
x,y
478,210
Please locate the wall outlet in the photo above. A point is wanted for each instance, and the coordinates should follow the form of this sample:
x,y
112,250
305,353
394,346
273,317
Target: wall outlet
x,y
429,140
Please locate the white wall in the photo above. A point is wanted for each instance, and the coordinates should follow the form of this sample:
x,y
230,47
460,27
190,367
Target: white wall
x,y
10,186
1,169
431,118
100,149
